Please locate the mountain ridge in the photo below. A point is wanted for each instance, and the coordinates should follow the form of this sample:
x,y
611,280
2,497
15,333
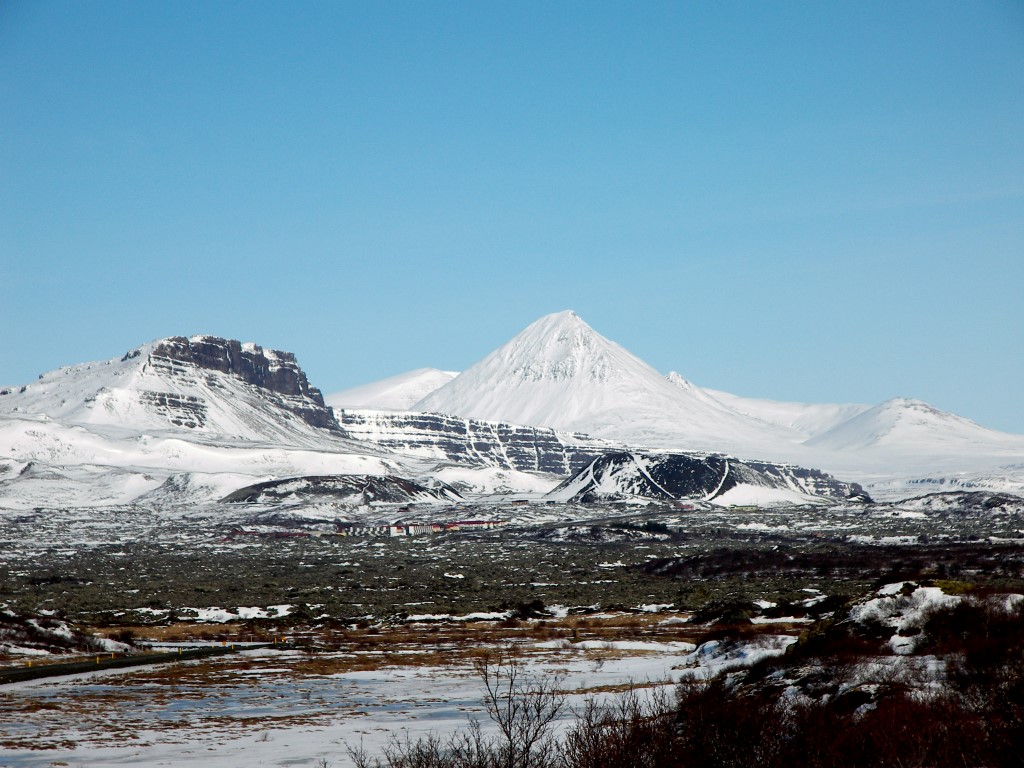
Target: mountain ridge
x,y
152,416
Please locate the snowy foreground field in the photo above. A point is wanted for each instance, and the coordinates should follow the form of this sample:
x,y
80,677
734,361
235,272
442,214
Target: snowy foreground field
x,y
287,708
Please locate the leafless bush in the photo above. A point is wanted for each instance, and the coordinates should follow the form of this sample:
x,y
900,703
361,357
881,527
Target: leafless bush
x,y
627,733
523,707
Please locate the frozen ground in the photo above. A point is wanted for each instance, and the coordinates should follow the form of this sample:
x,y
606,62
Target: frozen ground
x,y
265,708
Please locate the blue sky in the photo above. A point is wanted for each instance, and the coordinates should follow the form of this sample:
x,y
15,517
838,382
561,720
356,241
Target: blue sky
x,y
821,202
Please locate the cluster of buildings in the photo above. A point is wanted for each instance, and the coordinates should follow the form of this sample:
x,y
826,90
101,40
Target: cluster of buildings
x,y
416,528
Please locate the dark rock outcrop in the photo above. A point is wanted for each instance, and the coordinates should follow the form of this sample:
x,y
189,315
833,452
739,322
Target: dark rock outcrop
x,y
271,369
348,489
274,373
677,476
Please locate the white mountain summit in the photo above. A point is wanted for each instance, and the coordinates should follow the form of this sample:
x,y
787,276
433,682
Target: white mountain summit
x,y
560,373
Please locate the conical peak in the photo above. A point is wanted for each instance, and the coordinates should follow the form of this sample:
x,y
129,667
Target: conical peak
x,y
557,323
557,347
559,329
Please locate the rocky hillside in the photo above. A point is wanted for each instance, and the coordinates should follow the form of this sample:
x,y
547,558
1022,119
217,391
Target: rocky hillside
x,y
669,477
207,384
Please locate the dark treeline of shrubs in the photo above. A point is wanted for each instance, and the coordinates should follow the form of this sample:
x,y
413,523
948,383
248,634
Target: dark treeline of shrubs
x,y
835,700
863,562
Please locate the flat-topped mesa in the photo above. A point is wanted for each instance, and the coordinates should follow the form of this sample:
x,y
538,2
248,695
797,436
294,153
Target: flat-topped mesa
x,y
196,368
270,369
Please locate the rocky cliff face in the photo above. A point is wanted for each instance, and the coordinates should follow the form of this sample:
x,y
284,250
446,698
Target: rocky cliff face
x,y
467,441
275,373
670,477
270,369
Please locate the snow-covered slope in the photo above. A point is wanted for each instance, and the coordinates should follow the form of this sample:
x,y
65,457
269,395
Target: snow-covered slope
x,y
560,373
176,420
900,445
46,463
903,425
806,419
202,385
396,393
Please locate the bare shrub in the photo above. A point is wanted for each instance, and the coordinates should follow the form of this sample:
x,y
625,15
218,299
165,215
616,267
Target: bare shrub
x,y
523,707
627,733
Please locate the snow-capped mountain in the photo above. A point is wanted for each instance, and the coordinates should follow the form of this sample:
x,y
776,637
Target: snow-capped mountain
x,y
901,424
560,373
901,445
396,393
203,385
179,419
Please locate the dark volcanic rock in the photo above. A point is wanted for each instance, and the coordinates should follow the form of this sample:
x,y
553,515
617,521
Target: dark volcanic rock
x,y
977,502
272,369
676,476
478,443
350,489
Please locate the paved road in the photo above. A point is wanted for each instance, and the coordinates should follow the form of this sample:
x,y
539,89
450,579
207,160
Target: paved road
x,y
116,661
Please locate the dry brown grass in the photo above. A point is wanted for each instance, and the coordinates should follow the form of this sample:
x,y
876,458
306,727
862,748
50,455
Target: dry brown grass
x,y
40,706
